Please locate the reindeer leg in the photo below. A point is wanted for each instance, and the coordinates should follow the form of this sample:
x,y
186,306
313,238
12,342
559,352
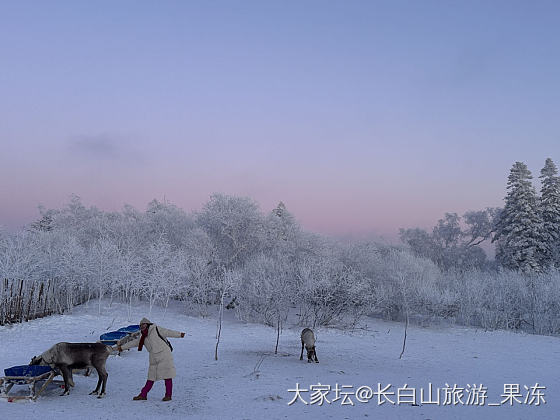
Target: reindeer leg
x,y
99,379
66,373
71,378
104,375
301,355
96,390
316,360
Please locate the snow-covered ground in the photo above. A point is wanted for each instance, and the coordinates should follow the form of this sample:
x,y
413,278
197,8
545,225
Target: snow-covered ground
x,y
238,387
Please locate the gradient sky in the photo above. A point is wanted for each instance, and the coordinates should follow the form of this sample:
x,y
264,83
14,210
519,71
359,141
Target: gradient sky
x,y
361,116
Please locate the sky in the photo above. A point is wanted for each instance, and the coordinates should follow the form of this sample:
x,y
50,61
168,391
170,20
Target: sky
x,y
363,117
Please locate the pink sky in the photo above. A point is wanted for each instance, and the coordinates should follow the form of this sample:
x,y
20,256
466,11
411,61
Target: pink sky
x,y
362,118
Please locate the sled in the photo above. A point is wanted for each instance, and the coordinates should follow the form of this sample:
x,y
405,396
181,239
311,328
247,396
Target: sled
x,y
112,338
121,336
130,329
26,375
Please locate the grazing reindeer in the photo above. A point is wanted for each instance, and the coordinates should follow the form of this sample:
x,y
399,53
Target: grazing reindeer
x,y
68,356
308,340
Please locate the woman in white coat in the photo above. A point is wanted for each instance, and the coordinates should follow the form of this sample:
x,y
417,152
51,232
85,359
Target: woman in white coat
x,y
161,366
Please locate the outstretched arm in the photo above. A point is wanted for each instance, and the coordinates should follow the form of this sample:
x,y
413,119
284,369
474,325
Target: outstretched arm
x,y
170,333
129,344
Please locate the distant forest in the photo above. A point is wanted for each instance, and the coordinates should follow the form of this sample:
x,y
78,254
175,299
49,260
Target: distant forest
x,y
263,266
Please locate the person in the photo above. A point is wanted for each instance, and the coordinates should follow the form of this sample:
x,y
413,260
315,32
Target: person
x,y
161,365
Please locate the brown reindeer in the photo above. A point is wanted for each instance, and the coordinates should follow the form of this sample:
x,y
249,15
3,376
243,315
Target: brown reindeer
x,y
308,341
68,356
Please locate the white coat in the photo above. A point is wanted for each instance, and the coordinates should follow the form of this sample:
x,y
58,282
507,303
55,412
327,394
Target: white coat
x,y
161,359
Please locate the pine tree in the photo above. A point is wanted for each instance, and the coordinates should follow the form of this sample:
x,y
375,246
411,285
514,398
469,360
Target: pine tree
x,y
550,210
520,245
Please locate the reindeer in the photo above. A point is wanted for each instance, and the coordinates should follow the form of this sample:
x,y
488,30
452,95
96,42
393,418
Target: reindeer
x,y
68,356
308,340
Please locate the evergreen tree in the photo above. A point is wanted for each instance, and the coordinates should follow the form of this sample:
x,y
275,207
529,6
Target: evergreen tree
x,y
520,245
550,210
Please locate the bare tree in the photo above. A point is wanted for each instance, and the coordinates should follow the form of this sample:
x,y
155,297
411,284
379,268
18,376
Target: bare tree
x,y
228,280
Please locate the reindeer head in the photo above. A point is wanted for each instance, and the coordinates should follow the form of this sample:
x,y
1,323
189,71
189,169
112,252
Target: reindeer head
x,y
310,353
37,360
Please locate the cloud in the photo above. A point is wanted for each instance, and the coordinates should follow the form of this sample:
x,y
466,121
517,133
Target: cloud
x,y
97,147
103,147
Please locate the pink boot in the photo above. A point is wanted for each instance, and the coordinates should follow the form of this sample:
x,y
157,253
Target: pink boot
x,y
144,393
168,389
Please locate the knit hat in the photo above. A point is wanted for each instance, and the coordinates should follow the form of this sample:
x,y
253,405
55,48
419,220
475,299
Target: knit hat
x,y
145,321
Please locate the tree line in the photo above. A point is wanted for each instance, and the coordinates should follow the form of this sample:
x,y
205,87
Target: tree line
x,y
264,266
526,231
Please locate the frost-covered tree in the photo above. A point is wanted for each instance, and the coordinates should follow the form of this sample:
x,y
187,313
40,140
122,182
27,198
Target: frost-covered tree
x,y
157,271
453,242
267,290
18,256
103,265
168,221
45,223
282,232
328,289
86,224
227,282
128,273
175,284
447,233
235,227
479,226
201,288
518,235
73,265
410,283
421,243
447,236
550,210
268,265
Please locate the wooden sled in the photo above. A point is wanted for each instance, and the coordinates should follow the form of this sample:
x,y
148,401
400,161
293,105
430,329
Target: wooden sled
x,y
121,336
26,375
